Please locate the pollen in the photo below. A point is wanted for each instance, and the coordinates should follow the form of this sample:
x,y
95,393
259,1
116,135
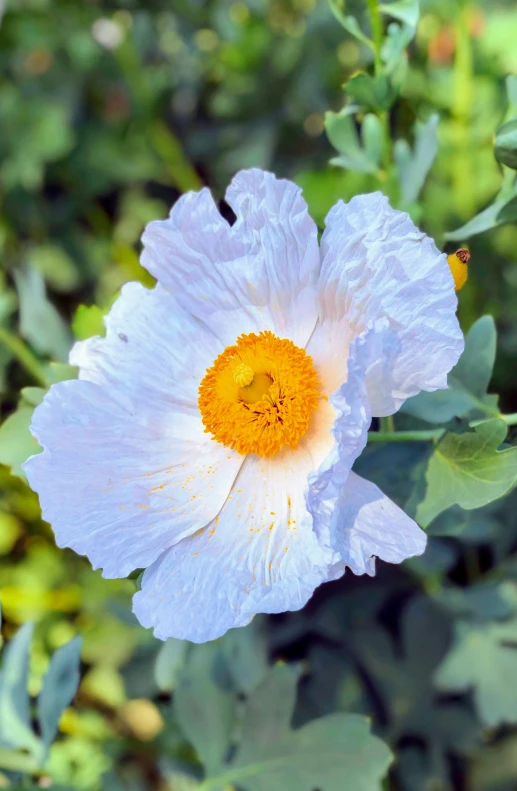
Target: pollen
x,y
259,395
458,263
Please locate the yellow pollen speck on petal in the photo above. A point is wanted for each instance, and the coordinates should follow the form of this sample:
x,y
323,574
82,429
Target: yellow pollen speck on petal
x,y
458,263
259,395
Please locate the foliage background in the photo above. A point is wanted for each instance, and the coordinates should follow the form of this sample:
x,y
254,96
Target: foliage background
x,y
108,112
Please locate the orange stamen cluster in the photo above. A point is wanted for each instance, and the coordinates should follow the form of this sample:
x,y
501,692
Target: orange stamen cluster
x,y
259,395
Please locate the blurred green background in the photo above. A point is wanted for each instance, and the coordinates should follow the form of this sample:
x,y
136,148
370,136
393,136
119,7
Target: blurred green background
x,y
108,111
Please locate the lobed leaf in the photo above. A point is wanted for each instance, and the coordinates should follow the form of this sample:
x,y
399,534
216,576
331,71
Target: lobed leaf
x,y
483,657
468,469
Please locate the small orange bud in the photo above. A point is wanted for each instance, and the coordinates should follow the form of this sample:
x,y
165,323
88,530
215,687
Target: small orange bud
x,y
458,263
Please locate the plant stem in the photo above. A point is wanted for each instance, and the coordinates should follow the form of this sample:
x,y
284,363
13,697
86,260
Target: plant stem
x,y
377,34
24,356
406,436
387,424
377,39
390,435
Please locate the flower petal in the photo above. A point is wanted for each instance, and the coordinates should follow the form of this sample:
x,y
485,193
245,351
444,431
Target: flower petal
x,y
259,555
127,469
261,273
153,352
377,265
349,433
367,524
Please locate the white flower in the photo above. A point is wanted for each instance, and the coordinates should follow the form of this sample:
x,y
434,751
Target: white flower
x,y
210,436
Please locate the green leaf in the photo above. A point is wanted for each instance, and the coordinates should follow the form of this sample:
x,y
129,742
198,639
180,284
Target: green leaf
x,y
401,672
505,146
484,657
492,216
169,662
485,601
40,323
55,265
393,53
373,93
372,135
204,711
61,372
272,757
59,687
467,469
407,11
15,718
413,166
349,23
508,213
244,653
14,761
178,780
33,396
511,90
467,382
342,133
88,321
16,441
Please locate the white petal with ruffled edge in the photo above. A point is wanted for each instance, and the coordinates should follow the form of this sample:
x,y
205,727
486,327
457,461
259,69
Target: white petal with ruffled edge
x,y
259,555
377,265
259,274
127,469
366,524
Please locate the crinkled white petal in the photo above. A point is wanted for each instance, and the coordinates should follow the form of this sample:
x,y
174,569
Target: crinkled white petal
x,y
127,469
259,274
377,265
259,555
349,434
366,524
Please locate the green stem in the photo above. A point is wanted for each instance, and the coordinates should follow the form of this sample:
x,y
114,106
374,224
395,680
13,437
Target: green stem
x,y
387,424
377,33
378,37
433,435
406,436
24,356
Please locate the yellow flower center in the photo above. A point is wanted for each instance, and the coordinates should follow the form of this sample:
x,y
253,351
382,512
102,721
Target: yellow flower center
x,y
259,395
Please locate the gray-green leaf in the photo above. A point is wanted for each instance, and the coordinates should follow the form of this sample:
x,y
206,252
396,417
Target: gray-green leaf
x,y
204,711
506,144
16,441
484,657
15,718
169,663
348,22
321,754
342,133
468,469
59,687
406,11
413,166
40,323
373,93
491,217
